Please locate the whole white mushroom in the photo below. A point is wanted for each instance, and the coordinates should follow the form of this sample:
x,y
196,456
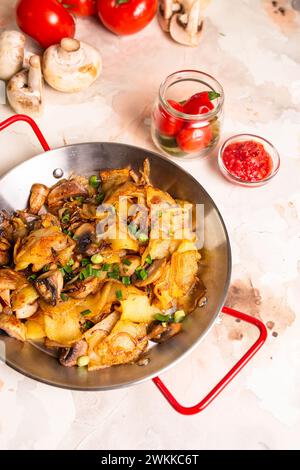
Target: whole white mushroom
x,y
12,44
71,66
25,89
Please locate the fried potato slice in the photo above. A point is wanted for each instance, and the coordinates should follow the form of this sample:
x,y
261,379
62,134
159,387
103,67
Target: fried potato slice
x,y
137,308
184,269
41,247
123,345
35,326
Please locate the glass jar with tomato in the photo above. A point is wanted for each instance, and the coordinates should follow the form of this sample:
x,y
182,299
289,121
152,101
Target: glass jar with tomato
x,y
187,116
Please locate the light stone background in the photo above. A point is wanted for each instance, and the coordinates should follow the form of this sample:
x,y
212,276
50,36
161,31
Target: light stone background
x,y
255,53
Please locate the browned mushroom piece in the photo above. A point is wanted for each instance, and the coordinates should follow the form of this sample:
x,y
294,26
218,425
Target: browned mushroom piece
x,y
154,272
38,196
69,356
159,332
193,298
12,326
81,289
65,189
49,285
5,248
85,236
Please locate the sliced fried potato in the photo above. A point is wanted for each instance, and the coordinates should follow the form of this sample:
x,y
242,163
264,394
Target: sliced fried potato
x,y
184,268
35,326
137,308
125,344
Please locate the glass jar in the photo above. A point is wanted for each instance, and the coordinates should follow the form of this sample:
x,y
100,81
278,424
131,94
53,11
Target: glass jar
x,y
187,115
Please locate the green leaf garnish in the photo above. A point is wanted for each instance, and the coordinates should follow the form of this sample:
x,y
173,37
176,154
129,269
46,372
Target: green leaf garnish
x,y
213,95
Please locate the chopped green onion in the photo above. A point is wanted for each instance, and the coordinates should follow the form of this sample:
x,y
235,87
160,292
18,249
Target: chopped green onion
x,y
96,272
119,294
213,95
148,259
143,237
46,268
70,262
126,261
83,361
179,316
94,181
64,297
86,272
113,275
67,269
97,259
66,217
68,232
87,325
85,261
142,274
86,312
32,277
116,268
139,268
79,199
126,280
100,198
106,267
163,318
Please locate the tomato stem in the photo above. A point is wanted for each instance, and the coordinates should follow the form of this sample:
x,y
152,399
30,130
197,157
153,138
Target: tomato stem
x,y
120,2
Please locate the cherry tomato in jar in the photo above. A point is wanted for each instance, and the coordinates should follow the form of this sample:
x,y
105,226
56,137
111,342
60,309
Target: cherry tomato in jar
x,y
193,138
166,123
124,17
81,7
200,103
47,21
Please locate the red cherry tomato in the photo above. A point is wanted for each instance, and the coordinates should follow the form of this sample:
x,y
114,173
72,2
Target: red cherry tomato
x,y
126,16
45,21
81,7
192,138
198,104
165,122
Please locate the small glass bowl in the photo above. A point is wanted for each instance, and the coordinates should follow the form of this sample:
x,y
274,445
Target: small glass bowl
x,y
268,147
180,135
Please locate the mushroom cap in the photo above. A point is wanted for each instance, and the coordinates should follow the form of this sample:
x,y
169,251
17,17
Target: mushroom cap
x,y
71,66
12,45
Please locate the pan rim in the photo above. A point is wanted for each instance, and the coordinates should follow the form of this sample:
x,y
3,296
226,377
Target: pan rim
x,y
191,348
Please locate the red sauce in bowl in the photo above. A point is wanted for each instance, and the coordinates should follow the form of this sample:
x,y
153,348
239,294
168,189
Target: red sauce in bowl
x,y
247,160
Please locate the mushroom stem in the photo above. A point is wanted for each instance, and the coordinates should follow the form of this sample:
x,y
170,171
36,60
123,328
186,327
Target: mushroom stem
x,y
35,75
69,52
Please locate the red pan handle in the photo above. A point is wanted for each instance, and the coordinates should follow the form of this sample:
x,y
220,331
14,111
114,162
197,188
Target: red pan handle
x,y
191,410
31,122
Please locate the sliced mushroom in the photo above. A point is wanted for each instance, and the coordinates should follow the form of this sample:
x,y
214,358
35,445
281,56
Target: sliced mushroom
x,y
154,272
6,227
159,332
165,12
12,45
81,289
38,196
193,298
27,311
71,66
25,89
69,356
65,189
49,286
186,26
85,236
12,326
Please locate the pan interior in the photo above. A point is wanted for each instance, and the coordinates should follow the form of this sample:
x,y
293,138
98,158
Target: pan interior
x,y
87,159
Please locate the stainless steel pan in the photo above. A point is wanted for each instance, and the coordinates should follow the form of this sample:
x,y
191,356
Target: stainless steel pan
x,y
86,159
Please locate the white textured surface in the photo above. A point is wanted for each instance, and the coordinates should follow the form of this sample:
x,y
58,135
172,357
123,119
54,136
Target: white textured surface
x,y
255,53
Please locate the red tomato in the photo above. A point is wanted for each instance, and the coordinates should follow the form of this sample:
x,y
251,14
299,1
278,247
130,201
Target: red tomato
x,y
165,122
192,138
81,7
45,21
198,104
126,16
